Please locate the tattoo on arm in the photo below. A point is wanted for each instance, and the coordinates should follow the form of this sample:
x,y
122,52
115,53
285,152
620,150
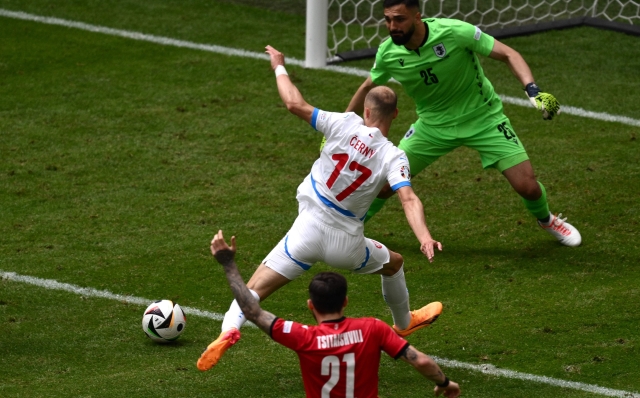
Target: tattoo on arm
x,y
225,257
248,304
410,354
264,321
428,368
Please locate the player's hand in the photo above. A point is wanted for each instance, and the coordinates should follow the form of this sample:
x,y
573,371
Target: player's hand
x,y
451,391
221,250
428,248
544,102
277,58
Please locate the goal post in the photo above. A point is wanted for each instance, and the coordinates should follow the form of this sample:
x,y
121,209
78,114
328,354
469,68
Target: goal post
x,y
316,34
343,30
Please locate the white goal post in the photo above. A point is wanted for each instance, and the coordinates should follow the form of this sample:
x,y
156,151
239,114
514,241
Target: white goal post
x,y
339,30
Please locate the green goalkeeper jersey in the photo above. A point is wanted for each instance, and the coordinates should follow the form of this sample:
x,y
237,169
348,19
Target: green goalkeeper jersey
x,y
443,76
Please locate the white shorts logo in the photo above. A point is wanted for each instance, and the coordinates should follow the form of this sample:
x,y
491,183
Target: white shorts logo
x,y
409,132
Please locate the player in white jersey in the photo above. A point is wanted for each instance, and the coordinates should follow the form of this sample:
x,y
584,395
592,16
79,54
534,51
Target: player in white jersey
x,y
356,162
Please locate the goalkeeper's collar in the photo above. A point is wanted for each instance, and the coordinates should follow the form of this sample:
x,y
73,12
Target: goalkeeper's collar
x,y
424,40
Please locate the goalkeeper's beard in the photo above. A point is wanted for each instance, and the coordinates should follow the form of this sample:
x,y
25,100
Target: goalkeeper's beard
x,y
404,39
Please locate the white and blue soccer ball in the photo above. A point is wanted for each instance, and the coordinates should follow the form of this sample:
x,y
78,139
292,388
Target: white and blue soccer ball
x,y
163,321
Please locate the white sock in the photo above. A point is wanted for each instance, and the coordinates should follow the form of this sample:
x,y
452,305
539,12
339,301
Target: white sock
x,y
394,290
234,318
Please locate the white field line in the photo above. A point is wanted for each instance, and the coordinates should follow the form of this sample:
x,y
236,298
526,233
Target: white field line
x,y
511,374
570,110
485,368
89,292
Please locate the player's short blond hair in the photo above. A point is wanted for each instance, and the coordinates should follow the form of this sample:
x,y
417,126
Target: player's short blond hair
x,y
382,101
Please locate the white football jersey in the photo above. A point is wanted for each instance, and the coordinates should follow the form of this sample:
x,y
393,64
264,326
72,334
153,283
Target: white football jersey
x,y
354,165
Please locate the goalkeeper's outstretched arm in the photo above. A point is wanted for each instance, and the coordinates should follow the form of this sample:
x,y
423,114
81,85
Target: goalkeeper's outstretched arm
x,y
357,101
514,61
544,102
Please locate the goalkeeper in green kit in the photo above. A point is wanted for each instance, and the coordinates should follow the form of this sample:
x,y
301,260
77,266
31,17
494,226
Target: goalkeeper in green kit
x,y
436,62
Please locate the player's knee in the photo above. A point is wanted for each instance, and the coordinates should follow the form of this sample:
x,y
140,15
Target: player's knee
x,y
394,265
530,190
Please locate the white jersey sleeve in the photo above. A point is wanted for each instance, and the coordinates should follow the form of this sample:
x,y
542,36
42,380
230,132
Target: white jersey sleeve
x,y
333,123
399,174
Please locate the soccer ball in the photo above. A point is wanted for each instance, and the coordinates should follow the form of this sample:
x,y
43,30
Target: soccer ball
x,y
163,321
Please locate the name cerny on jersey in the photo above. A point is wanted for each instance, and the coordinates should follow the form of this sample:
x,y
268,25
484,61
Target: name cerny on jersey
x,y
361,147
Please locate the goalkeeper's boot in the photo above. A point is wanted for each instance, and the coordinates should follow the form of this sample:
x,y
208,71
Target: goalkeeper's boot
x,y
215,350
566,233
421,318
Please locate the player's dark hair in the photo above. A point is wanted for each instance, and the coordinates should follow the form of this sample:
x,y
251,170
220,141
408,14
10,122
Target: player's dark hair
x,y
327,292
382,101
407,3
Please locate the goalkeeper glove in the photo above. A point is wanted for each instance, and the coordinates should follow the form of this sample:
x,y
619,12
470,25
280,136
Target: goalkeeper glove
x,y
544,102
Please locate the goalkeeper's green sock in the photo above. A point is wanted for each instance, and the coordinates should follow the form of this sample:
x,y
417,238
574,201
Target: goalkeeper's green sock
x,y
374,208
539,208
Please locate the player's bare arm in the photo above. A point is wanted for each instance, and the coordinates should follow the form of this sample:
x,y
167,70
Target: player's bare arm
x,y
289,93
514,60
357,101
430,369
225,256
414,211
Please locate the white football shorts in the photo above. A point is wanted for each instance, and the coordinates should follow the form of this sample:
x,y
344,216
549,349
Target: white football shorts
x,y
310,240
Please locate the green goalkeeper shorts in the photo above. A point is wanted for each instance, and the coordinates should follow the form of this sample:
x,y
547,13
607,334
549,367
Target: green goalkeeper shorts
x,y
492,136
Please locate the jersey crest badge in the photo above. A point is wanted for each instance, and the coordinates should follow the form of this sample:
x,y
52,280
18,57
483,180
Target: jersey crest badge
x,y
440,50
401,62
409,132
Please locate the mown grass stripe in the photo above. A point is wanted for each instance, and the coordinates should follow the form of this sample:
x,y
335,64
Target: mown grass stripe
x,y
570,110
485,368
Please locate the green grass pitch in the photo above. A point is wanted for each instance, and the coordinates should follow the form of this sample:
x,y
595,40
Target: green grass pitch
x,y
119,160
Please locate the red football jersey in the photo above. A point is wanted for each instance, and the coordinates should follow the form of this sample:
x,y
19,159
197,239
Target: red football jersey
x,y
339,358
